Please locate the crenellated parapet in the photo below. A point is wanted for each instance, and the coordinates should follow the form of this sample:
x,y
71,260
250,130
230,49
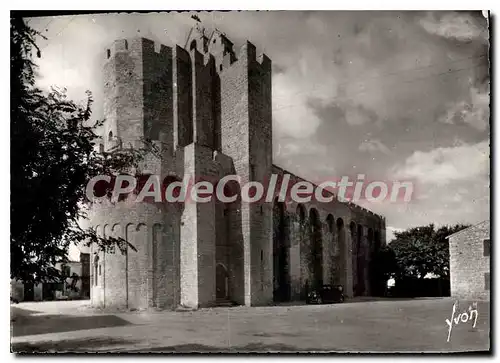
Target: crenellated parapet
x,y
137,92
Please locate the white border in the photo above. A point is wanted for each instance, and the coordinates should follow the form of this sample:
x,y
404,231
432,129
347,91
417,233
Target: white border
x,y
194,5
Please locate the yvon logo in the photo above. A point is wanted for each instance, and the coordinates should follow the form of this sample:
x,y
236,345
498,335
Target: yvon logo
x,y
461,317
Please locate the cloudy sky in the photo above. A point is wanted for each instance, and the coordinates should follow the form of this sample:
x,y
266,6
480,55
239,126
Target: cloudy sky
x,y
392,95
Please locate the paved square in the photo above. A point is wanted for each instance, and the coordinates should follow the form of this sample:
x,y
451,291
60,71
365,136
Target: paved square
x,y
365,326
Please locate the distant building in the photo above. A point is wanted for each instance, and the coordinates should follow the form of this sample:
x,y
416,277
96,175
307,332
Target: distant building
x,y
75,286
470,251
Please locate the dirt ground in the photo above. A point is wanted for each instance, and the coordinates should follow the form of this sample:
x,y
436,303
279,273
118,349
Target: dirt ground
x,y
417,325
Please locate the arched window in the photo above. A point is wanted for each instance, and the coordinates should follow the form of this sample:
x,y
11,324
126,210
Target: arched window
x,y
192,45
330,223
352,228
340,223
370,238
96,269
301,213
110,136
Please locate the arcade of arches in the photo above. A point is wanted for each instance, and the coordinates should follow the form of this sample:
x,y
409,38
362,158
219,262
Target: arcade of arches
x,y
310,251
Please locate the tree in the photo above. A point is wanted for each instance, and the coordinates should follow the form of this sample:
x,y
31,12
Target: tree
x,y
384,264
422,250
53,155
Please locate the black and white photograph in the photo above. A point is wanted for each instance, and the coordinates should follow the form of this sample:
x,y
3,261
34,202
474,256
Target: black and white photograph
x,y
250,181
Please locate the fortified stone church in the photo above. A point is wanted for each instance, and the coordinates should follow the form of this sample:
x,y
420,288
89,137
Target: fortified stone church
x,y
208,108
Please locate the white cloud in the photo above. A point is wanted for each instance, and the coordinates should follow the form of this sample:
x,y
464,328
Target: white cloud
x,y
474,112
293,117
460,26
444,165
389,233
55,74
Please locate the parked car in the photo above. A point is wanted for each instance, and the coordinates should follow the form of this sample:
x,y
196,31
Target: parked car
x,y
327,294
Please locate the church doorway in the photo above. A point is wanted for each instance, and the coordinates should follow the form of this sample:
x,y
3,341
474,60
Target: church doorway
x,y
221,282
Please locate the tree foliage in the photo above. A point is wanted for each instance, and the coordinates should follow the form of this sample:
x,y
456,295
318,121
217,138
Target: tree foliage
x,y
420,251
53,155
384,264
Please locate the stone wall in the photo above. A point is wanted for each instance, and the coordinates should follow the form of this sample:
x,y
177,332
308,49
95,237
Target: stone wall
x,y
337,241
470,262
146,274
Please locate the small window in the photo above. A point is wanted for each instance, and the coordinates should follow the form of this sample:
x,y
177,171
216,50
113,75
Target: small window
x,y
108,53
110,136
486,247
261,255
193,45
100,270
126,45
487,281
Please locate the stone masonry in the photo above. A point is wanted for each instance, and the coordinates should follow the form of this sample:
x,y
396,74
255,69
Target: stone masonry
x,y
470,252
208,108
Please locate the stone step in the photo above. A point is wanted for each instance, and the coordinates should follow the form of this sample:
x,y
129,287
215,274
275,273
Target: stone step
x,y
223,302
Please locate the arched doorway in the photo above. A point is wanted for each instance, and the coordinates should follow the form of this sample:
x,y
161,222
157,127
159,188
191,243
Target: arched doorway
x,y
316,261
281,281
221,282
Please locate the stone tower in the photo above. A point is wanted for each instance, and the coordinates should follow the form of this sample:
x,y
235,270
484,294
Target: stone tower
x,y
208,108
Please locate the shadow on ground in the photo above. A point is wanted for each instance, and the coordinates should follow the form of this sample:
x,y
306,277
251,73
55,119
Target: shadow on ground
x,y
24,322
363,299
249,348
16,312
69,346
